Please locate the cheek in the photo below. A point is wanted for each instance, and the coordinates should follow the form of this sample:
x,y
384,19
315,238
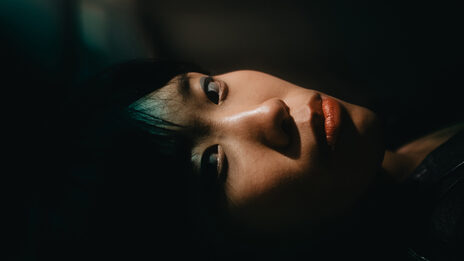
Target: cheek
x,y
255,175
269,190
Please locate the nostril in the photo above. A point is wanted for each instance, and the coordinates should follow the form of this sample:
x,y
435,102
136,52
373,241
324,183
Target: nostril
x,y
286,127
286,121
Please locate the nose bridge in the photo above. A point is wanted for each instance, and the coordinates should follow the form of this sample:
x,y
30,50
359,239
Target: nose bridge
x,y
260,123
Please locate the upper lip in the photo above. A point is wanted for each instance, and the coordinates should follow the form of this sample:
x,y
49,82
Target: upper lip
x,y
315,104
312,109
311,114
310,117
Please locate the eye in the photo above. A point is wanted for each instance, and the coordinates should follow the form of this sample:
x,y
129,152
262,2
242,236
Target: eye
x,y
212,165
211,88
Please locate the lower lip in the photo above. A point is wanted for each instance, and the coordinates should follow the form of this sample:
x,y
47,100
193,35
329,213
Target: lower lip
x,y
332,118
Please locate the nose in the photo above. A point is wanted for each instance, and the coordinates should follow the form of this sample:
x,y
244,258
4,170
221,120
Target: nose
x,y
267,123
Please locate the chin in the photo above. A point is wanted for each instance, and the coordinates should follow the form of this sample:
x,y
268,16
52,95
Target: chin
x,y
370,128
360,153
363,133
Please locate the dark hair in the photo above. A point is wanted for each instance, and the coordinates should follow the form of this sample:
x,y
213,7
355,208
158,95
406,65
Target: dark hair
x,y
145,188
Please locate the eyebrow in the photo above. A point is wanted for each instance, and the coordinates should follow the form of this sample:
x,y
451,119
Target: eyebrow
x,y
183,86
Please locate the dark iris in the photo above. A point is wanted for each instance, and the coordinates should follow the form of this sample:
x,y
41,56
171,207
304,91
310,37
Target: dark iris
x,y
210,88
209,165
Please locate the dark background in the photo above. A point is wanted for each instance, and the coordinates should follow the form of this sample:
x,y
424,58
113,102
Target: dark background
x,y
403,59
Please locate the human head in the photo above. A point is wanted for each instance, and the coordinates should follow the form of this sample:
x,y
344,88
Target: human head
x,y
261,142
269,129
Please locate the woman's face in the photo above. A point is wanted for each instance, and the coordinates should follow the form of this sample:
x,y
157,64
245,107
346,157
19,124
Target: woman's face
x,y
285,154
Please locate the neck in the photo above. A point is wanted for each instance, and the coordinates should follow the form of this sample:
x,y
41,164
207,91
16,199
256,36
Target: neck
x,y
399,164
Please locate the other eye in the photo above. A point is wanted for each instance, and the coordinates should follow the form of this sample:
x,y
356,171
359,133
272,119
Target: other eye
x,y
211,88
212,165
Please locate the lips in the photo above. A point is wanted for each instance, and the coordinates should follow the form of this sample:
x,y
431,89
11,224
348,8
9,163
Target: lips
x,y
323,113
332,119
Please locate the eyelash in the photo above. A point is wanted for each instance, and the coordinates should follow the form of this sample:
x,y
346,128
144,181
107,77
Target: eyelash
x,y
213,173
211,88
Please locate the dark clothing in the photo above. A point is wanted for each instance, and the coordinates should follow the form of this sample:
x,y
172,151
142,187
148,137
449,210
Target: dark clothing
x,y
423,218
438,232
420,219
